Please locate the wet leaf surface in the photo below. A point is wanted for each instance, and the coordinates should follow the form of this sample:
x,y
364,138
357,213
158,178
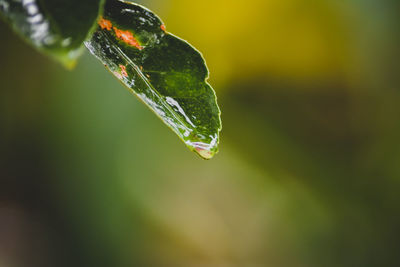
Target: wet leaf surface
x,y
165,72
56,27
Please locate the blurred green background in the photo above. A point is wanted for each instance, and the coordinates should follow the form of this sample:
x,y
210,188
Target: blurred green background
x,y
308,172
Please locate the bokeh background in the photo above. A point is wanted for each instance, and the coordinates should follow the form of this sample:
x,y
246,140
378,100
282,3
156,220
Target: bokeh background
x,y
308,172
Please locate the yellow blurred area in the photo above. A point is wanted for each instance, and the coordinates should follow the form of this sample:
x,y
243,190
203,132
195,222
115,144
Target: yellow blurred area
x,y
301,40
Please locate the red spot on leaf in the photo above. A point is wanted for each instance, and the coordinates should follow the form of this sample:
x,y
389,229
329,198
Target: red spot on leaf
x,y
163,28
105,24
127,37
123,70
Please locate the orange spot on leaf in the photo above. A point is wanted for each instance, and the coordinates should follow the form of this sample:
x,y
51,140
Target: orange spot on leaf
x,y
123,70
105,24
163,28
127,37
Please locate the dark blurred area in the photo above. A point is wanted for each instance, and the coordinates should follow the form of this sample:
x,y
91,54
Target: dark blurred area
x,y
308,171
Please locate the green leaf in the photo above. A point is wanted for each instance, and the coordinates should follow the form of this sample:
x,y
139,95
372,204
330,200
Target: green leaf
x,y
56,27
165,72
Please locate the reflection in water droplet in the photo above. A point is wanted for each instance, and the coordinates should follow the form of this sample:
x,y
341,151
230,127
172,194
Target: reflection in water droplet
x,y
174,103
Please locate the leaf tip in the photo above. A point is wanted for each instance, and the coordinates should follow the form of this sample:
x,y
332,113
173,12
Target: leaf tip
x,y
204,153
204,149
